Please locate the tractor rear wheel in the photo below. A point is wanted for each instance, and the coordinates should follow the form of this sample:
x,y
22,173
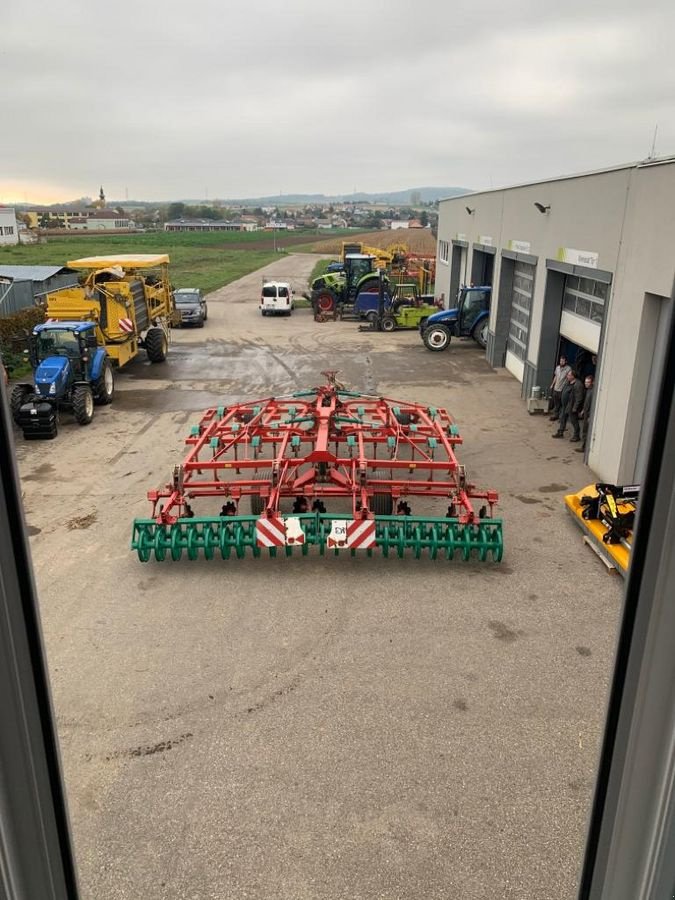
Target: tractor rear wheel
x,y
436,337
388,323
371,317
325,302
480,333
83,404
156,345
104,389
382,505
20,394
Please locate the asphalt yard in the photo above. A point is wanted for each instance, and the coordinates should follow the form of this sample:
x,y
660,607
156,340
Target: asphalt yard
x,y
319,727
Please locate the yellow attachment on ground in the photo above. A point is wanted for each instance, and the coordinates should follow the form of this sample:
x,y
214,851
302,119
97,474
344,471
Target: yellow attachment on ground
x,y
617,554
126,260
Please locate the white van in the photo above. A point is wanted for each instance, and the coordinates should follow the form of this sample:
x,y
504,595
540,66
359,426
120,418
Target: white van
x,y
276,297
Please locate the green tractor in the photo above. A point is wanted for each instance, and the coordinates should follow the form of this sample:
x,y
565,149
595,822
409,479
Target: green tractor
x,y
332,291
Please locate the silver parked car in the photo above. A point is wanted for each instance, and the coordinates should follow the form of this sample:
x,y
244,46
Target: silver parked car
x,y
191,306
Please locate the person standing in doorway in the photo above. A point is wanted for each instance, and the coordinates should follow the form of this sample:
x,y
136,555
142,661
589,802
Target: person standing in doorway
x,y
585,414
557,385
565,398
576,405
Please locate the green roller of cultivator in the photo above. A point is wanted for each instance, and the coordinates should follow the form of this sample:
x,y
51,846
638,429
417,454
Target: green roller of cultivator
x,y
394,535
329,469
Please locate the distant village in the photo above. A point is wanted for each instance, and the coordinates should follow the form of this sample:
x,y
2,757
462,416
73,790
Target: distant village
x,y
25,224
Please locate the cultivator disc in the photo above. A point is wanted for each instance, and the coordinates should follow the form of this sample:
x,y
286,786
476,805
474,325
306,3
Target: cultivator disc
x,y
327,469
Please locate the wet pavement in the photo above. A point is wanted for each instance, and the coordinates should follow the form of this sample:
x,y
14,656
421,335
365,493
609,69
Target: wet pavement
x,y
319,728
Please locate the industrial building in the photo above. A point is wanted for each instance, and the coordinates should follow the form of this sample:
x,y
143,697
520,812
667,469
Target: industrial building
x,y
208,225
86,219
582,265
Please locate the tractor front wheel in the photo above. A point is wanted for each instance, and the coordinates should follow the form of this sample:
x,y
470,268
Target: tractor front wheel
x,y
20,394
436,337
104,389
83,404
156,345
388,323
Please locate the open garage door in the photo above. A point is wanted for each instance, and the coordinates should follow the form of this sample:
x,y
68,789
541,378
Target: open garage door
x,y
583,311
519,324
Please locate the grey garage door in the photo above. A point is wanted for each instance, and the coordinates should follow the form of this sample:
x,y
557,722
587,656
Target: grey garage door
x,y
519,324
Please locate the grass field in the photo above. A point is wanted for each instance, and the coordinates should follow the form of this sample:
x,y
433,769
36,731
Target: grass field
x,y
210,260
206,261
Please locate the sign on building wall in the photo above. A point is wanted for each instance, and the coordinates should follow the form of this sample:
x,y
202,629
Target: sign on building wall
x,y
578,257
519,246
485,239
460,236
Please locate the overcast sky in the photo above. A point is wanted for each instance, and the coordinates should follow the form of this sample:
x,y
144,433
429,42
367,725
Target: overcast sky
x,y
216,99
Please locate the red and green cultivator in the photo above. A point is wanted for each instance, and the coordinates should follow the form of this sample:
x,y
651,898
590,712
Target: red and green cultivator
x,y
325,468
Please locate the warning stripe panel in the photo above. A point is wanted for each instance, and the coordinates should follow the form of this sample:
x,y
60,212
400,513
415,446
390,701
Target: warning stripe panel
x,y
126,325
270,533
361,535
358,535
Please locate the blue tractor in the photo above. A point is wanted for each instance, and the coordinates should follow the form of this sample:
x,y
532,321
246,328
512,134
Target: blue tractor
x,y
468,319
70,371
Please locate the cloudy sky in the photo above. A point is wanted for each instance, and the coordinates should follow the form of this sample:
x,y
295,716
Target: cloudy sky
x,y
217,99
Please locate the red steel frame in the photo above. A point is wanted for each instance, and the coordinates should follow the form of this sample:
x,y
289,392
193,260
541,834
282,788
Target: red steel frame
x,y
323,444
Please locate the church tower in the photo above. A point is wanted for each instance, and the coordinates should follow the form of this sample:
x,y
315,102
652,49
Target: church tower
x,y
100,203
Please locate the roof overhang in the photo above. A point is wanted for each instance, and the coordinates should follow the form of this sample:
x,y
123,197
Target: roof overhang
x,y
127,261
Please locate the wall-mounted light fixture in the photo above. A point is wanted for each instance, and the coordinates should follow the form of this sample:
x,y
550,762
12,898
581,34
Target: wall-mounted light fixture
x,y
542,208
469,210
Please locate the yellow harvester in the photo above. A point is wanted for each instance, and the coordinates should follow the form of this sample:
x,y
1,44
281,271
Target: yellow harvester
x,y
128,296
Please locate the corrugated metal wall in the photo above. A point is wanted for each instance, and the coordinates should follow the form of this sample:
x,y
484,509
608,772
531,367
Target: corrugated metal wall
x,y
17,295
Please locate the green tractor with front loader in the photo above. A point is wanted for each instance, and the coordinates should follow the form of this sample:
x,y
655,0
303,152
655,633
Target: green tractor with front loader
x,y
333,291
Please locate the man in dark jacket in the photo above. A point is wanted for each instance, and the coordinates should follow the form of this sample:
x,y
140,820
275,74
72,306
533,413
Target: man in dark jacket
x,y
576,405
586,412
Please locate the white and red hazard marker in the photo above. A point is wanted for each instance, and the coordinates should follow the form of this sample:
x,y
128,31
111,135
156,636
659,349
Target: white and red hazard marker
x,y
278,532
126,325
361,534
270,532
354,535
294,533
338,534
